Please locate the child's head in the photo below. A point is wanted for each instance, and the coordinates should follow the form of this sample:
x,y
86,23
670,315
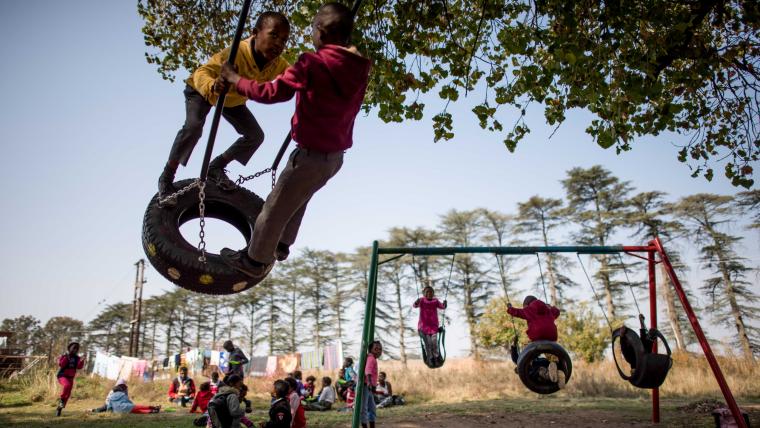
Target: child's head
x,y
529,299
205,386
270,33
341,373
281,388
228,346
121,385
376,348
297,374
332,25
183,371
381,376
73,348
348,362
215,376
292,383
311,379
243,390
428,292
326,381
234,381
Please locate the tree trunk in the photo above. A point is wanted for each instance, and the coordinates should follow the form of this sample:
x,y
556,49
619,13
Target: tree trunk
x,y
251,329
338,307
214,323
469,310
293,318
667,294
153,342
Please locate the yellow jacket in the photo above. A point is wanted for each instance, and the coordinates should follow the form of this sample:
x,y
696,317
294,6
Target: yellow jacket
x,y
202,80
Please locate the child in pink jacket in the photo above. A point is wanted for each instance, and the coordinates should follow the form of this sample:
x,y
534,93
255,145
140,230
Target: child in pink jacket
x,y
427,326
69,363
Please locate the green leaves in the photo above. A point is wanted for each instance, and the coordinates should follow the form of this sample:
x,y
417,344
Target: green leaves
x,y
642,67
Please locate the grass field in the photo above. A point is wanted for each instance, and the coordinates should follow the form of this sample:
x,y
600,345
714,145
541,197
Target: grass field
x,y
463,394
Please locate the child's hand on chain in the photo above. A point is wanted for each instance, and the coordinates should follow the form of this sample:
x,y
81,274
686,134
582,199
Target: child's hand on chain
x,y
229,73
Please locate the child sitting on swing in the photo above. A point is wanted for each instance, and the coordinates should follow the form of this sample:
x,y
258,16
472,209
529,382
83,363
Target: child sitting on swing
x,y
540,317
427,326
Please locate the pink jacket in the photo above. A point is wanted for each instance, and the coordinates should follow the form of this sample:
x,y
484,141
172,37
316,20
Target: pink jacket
x,y
428,323
370,370
540,317
69,365
329,86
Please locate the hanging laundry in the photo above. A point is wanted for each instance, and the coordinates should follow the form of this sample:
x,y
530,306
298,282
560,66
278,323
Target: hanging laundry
x,y
224,361
271,365
311,360
214,358
114,367
165,363
100,367
287,363
258,366
125,371
332,358
177,361
138,369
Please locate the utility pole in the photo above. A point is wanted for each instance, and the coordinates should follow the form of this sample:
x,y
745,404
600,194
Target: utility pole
x,y
134,323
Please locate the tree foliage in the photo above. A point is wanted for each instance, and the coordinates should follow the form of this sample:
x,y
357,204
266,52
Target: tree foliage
x,y
641,68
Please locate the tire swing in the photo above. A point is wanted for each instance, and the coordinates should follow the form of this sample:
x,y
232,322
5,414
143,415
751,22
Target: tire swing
x,y
536,354
648,369
441,336
177,260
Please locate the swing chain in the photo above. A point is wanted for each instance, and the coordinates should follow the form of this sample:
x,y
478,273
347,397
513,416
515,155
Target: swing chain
x,y
178,193
242,179
202,216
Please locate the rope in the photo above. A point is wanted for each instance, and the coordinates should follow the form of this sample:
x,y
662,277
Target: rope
x,y
596,296
543,284
630,286
512,318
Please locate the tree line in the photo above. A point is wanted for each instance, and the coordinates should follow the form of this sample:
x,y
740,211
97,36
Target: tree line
x,y
309,299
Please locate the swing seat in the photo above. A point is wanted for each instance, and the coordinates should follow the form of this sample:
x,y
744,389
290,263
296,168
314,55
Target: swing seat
x,y
648,369
437,363
533,351
177,260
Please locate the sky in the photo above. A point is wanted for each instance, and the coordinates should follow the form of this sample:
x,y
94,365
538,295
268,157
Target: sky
x,y
87,125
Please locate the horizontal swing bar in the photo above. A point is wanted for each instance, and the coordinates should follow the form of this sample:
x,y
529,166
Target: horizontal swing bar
x,y
447,251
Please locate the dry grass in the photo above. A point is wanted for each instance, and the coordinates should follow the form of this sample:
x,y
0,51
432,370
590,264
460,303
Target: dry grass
x,y
461,380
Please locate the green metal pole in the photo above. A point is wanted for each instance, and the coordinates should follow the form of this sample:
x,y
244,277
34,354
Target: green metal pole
x,y
447,251
367,334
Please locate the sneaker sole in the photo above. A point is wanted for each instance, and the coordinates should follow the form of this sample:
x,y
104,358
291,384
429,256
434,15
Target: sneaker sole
x,y
553,372
246,272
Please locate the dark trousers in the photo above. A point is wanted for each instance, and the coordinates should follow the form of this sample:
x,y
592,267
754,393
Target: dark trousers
x,y
196,110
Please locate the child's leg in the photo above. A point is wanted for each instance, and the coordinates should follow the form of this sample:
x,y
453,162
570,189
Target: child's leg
x,y
142,410
252,136
66,386
196,110
283,210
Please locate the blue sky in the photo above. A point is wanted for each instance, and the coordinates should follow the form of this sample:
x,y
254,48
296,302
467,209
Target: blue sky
x,y
86,128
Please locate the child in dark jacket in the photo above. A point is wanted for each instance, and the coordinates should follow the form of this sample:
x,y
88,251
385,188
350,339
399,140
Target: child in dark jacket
x,y
279,412
540,317
329,87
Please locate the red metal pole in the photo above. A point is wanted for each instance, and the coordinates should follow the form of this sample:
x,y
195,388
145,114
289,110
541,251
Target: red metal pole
x,y
701,336
653,324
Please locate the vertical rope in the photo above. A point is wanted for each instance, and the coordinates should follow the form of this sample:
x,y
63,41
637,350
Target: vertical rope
x,y
596,296
541,272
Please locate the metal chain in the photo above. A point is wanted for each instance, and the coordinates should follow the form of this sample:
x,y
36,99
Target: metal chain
x,y
178,193
202,216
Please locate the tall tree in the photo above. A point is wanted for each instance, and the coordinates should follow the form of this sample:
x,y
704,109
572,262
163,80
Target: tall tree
x,y
277,290
59,331
650,217
471,277
109,330
538,217
749,204
597,201
343,295
639,67
316,269
497,228
733,303
26,333
249,304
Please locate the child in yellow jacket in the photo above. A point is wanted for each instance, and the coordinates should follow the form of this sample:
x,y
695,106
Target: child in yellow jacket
x,y
259,59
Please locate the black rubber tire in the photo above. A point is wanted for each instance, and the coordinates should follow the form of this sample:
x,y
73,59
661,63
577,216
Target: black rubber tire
x,y
177,260
534,350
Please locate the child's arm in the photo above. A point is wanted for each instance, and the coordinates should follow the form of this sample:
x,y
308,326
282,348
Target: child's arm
x,y
555,312
283,88
63,360
442,305
194,406
205,77
515,312
81,362
416,303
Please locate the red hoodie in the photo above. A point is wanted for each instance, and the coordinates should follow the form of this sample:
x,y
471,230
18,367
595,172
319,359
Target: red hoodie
x,y
329,86
540,317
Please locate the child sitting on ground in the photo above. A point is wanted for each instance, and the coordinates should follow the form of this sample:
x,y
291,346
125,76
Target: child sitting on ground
x,y
279,412
329,87
427,326
202,398
326,397
258,58
308,388
118,401
540,317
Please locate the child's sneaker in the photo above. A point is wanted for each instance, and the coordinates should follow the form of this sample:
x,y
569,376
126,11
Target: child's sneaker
x,y
240,261
59,408
217,174
543,373
553,372
561,379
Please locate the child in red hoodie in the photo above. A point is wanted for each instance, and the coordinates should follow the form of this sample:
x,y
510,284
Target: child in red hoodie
x,y
202,398
329,87
69,363
540,317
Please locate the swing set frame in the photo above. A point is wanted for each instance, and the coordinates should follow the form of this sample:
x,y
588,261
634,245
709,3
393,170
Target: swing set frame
x,y
654,254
